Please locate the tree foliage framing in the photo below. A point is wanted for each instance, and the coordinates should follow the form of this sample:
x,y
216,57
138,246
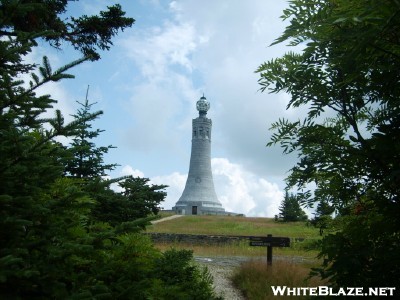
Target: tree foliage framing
x,y
51,246
348,144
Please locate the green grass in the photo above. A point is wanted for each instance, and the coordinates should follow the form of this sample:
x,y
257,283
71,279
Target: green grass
x,y
229,225
164,214
255,278
243,249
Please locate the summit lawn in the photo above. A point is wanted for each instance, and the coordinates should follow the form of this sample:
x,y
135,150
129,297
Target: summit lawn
x,y
232,225
240,226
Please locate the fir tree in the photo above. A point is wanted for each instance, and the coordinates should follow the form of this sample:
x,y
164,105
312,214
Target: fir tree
x,y
290,210
137,204
87,159
323,216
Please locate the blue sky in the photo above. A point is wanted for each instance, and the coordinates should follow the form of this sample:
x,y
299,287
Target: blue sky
x,y
149,82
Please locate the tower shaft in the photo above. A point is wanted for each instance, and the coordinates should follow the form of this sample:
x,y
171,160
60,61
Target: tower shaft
x,y
199,196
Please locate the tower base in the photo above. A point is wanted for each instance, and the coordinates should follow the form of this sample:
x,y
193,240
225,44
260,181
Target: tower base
x,y
198,208
201,208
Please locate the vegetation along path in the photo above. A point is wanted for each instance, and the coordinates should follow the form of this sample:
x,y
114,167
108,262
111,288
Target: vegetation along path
x,y
222,267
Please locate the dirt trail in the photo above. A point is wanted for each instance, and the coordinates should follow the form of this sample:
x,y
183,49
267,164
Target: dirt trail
x,y
166,219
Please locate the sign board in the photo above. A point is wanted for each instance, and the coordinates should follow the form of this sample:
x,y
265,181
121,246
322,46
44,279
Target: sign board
x,y
270,241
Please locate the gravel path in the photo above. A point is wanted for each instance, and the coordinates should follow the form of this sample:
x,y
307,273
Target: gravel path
x,y
221,269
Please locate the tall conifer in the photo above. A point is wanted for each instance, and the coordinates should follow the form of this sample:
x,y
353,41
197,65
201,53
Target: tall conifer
x,y
87,160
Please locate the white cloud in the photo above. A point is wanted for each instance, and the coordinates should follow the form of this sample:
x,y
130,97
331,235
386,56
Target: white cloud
x,y
176,183
238,190
128,170
157,49
162,98
242,191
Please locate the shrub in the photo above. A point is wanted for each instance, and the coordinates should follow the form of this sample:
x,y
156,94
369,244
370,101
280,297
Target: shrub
x,y
179,278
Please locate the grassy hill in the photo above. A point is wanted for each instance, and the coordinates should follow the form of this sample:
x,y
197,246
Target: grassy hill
x,y
230,225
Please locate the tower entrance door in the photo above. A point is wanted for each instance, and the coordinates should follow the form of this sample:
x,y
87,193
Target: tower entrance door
x,y
194,210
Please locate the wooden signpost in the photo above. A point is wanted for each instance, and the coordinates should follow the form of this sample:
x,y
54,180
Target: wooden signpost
x,y
269,241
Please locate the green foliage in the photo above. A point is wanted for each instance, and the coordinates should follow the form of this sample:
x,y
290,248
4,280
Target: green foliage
x,y
138,201
25,19
45,234
87,159
128,270
347,76
52,247
144,199
290,210
39,211
374,261
179,278
324,209
323,217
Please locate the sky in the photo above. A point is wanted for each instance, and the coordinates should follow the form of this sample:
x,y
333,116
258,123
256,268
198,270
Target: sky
x,y
148,83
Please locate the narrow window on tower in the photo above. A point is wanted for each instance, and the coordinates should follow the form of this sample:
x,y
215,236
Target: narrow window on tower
x,y
194,132
201,131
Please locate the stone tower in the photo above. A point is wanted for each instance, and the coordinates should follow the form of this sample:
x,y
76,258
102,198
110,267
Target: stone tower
x,y
199,197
